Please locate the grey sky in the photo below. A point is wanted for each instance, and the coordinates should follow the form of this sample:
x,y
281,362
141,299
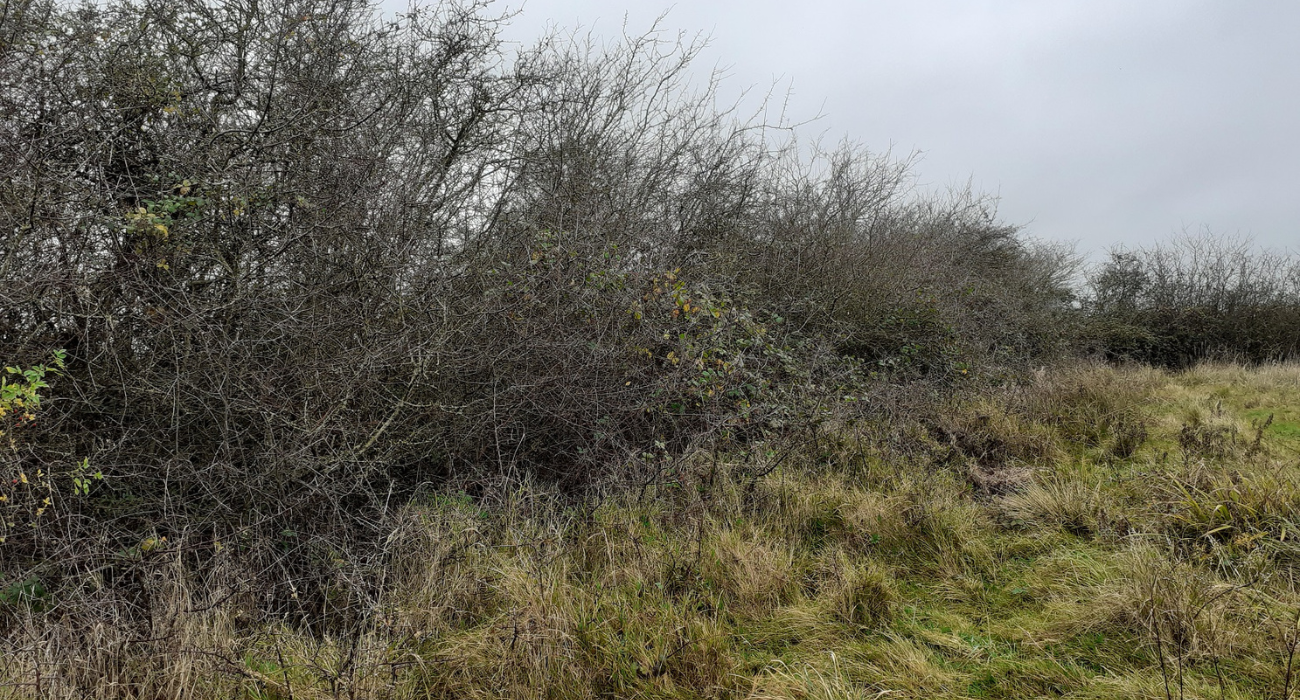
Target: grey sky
x,y
1100,121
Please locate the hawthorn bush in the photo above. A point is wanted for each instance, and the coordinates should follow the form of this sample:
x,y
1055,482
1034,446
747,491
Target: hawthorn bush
x,y
304,259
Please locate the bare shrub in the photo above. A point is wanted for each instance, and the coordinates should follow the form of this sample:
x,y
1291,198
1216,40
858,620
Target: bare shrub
x,y
920,286
304,260
1197,297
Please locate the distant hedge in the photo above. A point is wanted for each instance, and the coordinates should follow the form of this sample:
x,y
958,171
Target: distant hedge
x,y
1196,298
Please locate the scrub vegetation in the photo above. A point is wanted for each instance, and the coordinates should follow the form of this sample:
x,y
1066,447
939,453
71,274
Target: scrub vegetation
x,y
1017,544
365,357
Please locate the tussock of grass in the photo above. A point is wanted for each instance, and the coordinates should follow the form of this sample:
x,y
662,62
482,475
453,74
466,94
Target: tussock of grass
x,y
1161,571
1067,505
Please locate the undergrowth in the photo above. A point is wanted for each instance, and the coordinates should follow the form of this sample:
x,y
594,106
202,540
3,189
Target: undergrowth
x,y
875,561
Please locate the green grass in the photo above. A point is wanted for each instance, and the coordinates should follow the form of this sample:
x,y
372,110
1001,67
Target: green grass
x,y
889,574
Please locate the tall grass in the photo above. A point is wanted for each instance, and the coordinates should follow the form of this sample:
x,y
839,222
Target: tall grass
x,y
872,568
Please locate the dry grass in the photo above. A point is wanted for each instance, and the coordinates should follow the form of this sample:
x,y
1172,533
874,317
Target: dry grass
x,y
1167,572
1057,504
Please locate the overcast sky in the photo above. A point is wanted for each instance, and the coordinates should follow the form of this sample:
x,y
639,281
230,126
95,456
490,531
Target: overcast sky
x,y
1097,121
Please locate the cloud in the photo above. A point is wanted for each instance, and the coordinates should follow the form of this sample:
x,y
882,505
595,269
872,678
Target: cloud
x,y
1104,121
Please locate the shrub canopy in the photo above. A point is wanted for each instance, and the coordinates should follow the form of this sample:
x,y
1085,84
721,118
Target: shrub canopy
x,y
303,258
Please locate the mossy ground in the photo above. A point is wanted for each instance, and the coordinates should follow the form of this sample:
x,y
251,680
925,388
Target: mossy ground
x,y
1114,533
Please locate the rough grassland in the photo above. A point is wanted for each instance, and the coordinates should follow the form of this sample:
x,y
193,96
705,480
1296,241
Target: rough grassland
x,y
1102,534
